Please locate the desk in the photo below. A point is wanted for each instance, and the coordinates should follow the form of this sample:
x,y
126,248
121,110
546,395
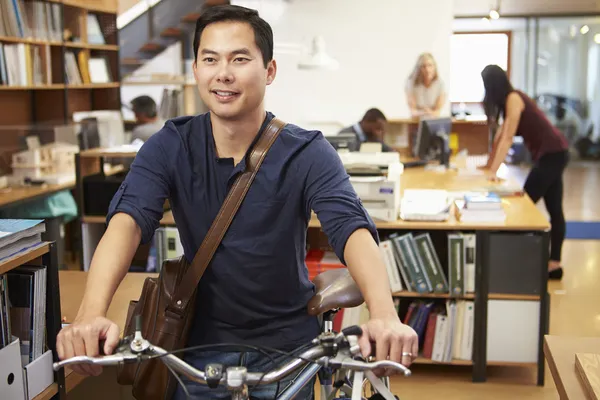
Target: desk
x,y
521,213
472,135
499,272
20,194
560,353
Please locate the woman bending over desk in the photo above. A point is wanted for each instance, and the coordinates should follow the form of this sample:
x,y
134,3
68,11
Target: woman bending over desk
x,y
425,91
547,145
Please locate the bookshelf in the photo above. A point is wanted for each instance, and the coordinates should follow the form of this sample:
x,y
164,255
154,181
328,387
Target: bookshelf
x,y
508,287
45,254
57,57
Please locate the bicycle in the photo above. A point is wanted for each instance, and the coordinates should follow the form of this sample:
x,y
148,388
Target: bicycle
x,y
334,357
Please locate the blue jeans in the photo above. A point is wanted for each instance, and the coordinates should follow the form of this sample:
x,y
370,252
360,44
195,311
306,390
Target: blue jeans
x,y
254,361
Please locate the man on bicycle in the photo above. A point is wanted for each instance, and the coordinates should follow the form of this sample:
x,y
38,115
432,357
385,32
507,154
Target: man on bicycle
x,y
256,289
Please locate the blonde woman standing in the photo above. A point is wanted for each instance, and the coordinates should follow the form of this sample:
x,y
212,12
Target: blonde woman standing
x,y
425,91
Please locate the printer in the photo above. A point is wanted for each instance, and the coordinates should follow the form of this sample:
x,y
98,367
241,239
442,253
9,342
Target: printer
x,y
376,179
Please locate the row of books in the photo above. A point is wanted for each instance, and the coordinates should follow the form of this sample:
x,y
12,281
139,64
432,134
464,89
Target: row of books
x,y
445,329
23,64
23,313
413,263
83,69
22,290
23,310
31,19
170,104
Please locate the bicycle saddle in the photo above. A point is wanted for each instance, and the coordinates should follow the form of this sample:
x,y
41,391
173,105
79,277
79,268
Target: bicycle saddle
x,y
334,289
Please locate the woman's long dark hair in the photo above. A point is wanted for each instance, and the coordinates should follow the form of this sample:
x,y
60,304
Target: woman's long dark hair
x,y
497,87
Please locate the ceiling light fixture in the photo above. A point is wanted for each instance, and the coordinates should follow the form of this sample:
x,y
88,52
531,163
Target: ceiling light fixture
x,y
318,59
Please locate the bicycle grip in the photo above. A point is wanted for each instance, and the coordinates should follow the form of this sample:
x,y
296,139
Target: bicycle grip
x,y
354,330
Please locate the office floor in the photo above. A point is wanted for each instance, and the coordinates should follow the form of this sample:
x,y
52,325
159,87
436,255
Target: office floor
x,y
574,309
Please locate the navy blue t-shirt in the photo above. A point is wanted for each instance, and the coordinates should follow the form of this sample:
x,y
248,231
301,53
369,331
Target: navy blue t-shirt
x,y
256,289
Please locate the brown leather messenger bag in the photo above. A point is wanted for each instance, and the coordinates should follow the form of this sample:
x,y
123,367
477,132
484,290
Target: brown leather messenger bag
x,y
166,304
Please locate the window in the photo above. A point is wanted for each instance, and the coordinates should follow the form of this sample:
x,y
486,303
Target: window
x,y
469,54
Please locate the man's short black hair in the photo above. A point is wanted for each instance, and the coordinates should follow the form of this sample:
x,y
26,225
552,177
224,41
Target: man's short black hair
x,y
373,115
263,34
144,105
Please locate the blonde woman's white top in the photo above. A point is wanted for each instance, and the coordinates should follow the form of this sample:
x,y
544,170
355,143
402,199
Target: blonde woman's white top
x,y
426,97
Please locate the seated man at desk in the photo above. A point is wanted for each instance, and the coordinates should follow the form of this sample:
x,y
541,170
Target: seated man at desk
x,y
146,117
370,128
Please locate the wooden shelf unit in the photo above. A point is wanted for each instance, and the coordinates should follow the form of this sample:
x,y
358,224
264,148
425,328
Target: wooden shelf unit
x,y
523,222
45,254
53,103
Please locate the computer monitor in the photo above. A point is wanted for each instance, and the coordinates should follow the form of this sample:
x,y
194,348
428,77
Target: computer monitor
x,y
432,142
344,142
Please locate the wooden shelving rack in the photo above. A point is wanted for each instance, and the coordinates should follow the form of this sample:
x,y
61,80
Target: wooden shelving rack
x,y
45,254
36,109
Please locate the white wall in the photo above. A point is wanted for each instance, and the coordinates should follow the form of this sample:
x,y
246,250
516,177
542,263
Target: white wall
x,y
376,43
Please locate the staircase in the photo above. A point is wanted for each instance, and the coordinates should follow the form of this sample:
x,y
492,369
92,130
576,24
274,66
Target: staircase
x,y
160,26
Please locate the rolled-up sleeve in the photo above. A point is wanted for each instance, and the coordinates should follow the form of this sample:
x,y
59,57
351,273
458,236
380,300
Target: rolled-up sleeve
x,y
330,194
145,189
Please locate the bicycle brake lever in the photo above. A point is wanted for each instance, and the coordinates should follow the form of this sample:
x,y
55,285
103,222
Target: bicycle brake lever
x,y
112,359
349,363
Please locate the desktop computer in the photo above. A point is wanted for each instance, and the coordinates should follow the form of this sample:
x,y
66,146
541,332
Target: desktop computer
x,y
432,141
344,142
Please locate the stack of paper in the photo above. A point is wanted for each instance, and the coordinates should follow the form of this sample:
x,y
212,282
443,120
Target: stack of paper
x,y
424,205
18,235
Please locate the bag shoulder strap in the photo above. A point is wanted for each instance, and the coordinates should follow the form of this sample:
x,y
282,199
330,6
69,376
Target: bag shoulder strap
x,y
215,234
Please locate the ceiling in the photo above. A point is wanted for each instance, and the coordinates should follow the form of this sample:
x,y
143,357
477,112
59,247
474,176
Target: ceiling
x,y
526,7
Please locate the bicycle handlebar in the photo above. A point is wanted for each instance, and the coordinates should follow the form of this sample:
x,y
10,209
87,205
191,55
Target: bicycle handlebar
x,y
326,352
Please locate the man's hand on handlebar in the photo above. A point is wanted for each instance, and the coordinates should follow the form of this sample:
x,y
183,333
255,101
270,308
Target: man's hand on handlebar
x,y
392,341
82,338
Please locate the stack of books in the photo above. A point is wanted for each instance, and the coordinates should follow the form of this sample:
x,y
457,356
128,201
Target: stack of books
x,y
19,235
486,207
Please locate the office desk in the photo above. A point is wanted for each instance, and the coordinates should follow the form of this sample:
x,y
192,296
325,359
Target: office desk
x,y
521,213
20,194
506,282
471,135
560,353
